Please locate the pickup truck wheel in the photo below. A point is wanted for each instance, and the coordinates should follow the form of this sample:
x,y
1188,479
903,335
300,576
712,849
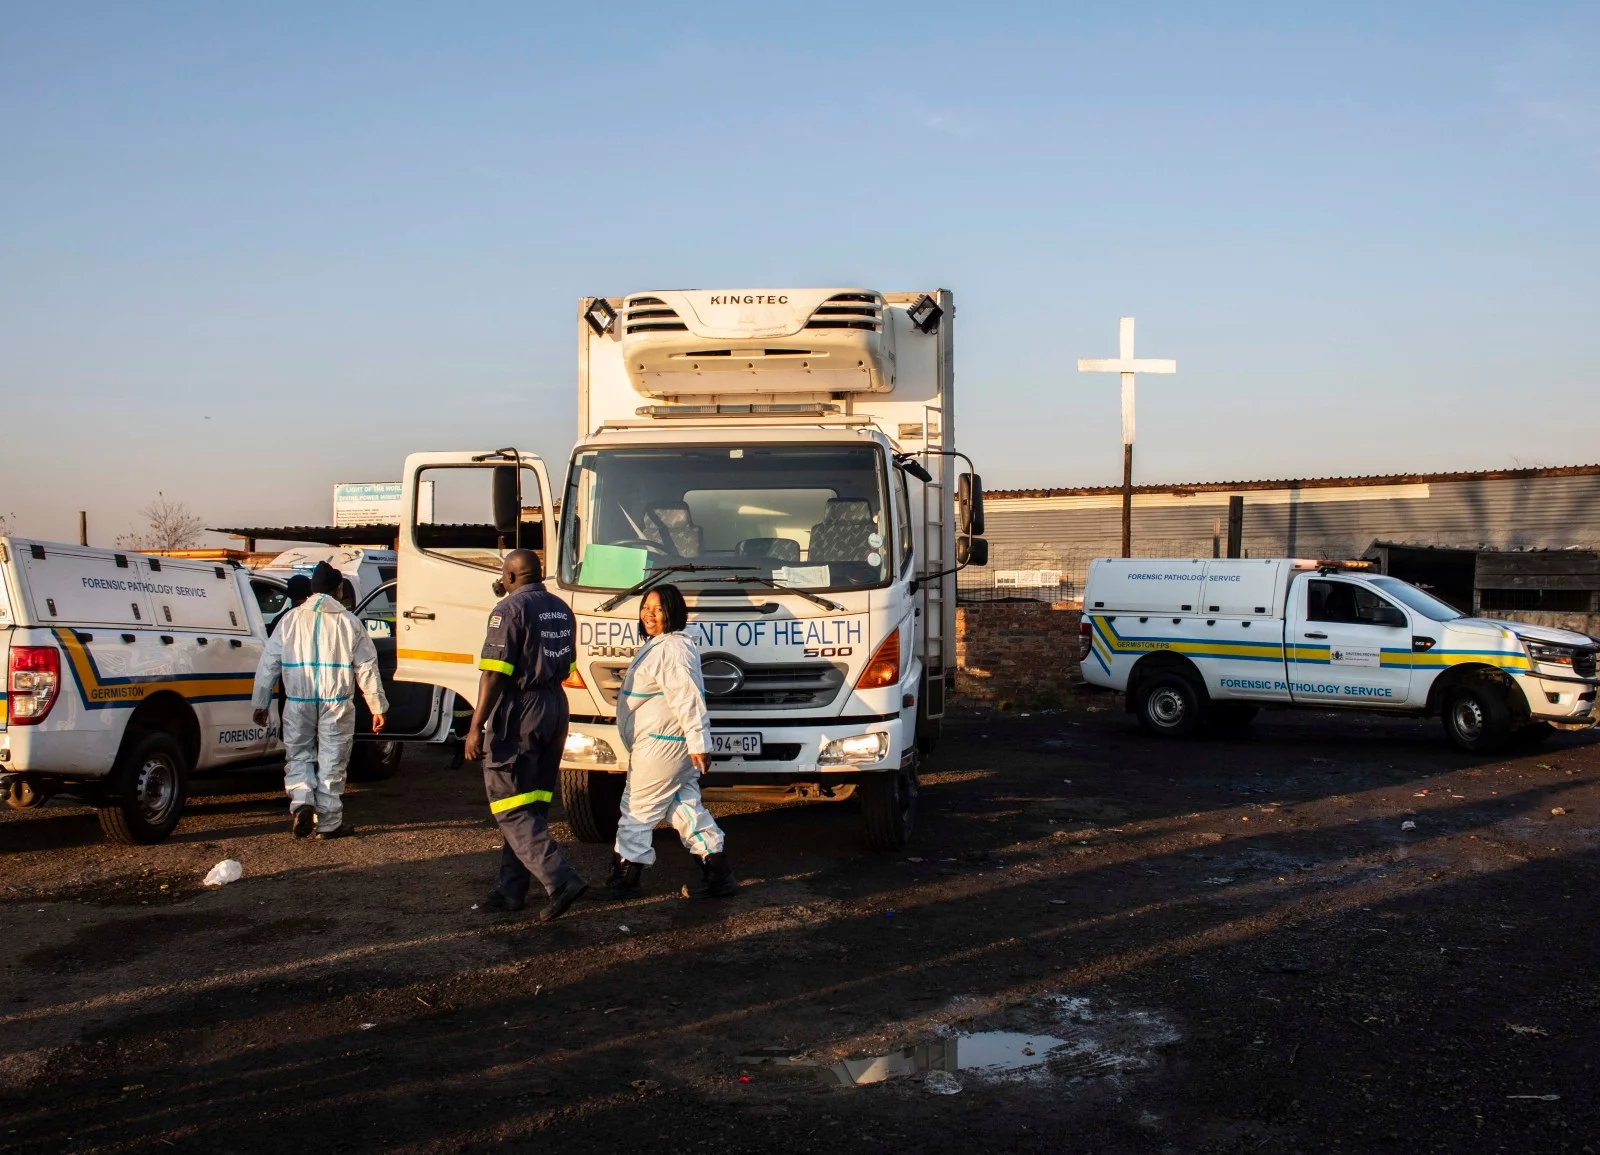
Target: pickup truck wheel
x,y
593,802
1476,716
1168,705
375,761
888,808
148,787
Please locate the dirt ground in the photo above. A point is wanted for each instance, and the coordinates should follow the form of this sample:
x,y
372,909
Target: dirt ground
x,y
1231,945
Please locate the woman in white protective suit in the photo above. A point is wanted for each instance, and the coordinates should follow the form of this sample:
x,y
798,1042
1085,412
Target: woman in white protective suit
x,y
661,716
323,654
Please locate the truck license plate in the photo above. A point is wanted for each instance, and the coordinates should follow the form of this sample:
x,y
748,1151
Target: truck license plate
x,y
746,744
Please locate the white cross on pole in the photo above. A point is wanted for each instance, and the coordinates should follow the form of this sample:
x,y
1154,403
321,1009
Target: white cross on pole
x,y
1128,365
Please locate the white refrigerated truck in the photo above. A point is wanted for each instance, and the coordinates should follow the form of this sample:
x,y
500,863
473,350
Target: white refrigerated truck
x,y
787,458
1192,640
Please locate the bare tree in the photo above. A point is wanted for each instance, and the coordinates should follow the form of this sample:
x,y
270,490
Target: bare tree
x,y
172,525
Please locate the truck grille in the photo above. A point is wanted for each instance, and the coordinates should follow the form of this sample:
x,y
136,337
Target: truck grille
x,y
1583,663
799,686
789,686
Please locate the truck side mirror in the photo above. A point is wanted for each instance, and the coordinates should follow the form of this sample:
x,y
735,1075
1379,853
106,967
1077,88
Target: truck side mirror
x,y
969,503
972,551
1388,616
507,499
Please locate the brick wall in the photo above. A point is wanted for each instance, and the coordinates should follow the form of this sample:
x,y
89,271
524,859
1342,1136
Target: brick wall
x,y
1016,653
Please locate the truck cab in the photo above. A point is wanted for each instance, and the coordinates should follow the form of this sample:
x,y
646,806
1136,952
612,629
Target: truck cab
x,y
784,457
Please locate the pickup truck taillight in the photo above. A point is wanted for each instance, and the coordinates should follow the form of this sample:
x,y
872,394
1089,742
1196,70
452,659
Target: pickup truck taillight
x,y
34,679
1085,639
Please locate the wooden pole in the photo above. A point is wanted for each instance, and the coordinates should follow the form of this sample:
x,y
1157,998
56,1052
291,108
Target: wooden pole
x,y
1127,499
83,527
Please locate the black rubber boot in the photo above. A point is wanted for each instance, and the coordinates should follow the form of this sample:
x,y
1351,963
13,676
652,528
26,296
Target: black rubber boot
x,y
303,820
497,902
624,882
716,877
566,894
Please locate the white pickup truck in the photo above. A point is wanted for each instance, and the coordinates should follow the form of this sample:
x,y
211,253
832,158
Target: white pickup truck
x,y
1203,640
126,673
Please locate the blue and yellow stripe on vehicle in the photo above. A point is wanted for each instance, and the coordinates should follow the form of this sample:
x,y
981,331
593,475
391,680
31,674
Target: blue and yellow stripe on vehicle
x,y
98,692
1235,650
5,710
1108,643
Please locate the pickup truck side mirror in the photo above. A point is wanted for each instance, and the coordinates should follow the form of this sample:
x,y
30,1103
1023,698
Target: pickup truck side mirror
x,y
507,499
969,506
1388,616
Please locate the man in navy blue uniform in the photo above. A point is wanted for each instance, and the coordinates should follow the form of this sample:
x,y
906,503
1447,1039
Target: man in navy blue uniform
x,y
519,729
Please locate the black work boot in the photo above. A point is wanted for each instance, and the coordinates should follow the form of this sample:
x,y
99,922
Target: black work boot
x,y
624,881
565,895
497,902
716,877
303,820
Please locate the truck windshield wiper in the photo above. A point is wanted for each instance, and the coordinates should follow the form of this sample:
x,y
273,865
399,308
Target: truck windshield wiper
x,y
766,581
642,586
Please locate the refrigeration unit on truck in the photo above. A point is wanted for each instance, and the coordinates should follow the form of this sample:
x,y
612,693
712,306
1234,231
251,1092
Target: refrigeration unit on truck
x,y
786,457
127,673
1196,640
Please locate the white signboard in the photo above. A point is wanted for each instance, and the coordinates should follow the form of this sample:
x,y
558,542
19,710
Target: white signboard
x,y
376,502
1027,578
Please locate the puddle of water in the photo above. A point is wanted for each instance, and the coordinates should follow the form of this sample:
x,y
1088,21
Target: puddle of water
x,y
1089,1042
981,1052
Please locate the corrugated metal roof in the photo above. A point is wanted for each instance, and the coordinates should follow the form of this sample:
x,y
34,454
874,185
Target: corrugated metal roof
x,y
1524,509
375,534
1181,490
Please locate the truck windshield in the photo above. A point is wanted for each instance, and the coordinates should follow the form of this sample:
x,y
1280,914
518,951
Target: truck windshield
x,y
1424,603
813,517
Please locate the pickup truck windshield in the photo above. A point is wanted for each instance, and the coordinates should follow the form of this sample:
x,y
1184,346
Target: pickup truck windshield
x,y
1424,603
813,517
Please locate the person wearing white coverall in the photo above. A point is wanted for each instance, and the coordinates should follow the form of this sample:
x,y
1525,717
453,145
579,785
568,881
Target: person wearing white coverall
x,y
322,654
662,720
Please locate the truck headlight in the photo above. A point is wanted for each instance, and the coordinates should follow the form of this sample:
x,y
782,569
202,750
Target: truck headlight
x,y
585,748
859,748
1544,655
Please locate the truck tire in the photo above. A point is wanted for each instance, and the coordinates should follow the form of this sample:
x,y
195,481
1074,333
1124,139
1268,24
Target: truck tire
x,y
1231,717
375,761
148,787
1169,705
1476,715
593,802
888,808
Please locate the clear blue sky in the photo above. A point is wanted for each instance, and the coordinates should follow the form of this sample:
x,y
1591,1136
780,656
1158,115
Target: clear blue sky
x,y
250,250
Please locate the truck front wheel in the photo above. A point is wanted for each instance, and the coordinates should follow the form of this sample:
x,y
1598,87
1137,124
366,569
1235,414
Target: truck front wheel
x,y
1476,715
593,802
888,808
148,786
1168,705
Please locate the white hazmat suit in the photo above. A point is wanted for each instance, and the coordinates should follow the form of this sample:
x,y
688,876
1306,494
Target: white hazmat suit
x,y
662,719
323,654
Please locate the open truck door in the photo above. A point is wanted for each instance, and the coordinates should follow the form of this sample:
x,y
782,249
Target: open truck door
x,y
463,513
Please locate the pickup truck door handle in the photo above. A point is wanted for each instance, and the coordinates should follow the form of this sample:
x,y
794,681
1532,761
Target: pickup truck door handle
x,y
1309,634
418,614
